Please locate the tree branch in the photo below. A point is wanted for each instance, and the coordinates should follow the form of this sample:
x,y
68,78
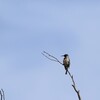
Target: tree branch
x,y
74,86
52,58
2,96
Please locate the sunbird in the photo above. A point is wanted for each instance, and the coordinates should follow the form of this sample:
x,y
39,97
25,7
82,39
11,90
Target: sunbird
x,y
66,62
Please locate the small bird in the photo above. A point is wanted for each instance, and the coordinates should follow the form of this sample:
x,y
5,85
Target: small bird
x,y
66,62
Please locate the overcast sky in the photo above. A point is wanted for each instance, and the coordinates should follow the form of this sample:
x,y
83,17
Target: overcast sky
x,y
27,27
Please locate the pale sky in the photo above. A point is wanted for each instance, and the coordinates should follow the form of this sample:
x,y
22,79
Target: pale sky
x,y
27,27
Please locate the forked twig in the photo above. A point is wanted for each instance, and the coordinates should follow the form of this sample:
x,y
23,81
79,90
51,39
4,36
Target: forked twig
x,y
2,95
52,58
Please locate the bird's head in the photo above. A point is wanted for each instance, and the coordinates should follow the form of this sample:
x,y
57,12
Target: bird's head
x,y
65,55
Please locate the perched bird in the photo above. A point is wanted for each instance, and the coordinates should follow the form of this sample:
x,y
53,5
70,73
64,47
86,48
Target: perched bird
x,y
66,62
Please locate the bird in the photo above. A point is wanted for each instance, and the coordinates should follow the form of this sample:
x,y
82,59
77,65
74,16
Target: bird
x,y
66,62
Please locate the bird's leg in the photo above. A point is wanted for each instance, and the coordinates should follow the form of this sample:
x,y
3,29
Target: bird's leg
x,y
66,71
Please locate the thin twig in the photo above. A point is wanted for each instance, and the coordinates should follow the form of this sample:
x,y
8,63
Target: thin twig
x,y
52,58
49,58
2,95
74,86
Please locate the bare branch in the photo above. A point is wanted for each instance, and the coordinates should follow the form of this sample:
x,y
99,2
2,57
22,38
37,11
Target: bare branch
x,y
52,58
2,96
74,86
48,57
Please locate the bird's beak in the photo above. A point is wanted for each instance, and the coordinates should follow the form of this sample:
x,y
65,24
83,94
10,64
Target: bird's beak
x,y
62,55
